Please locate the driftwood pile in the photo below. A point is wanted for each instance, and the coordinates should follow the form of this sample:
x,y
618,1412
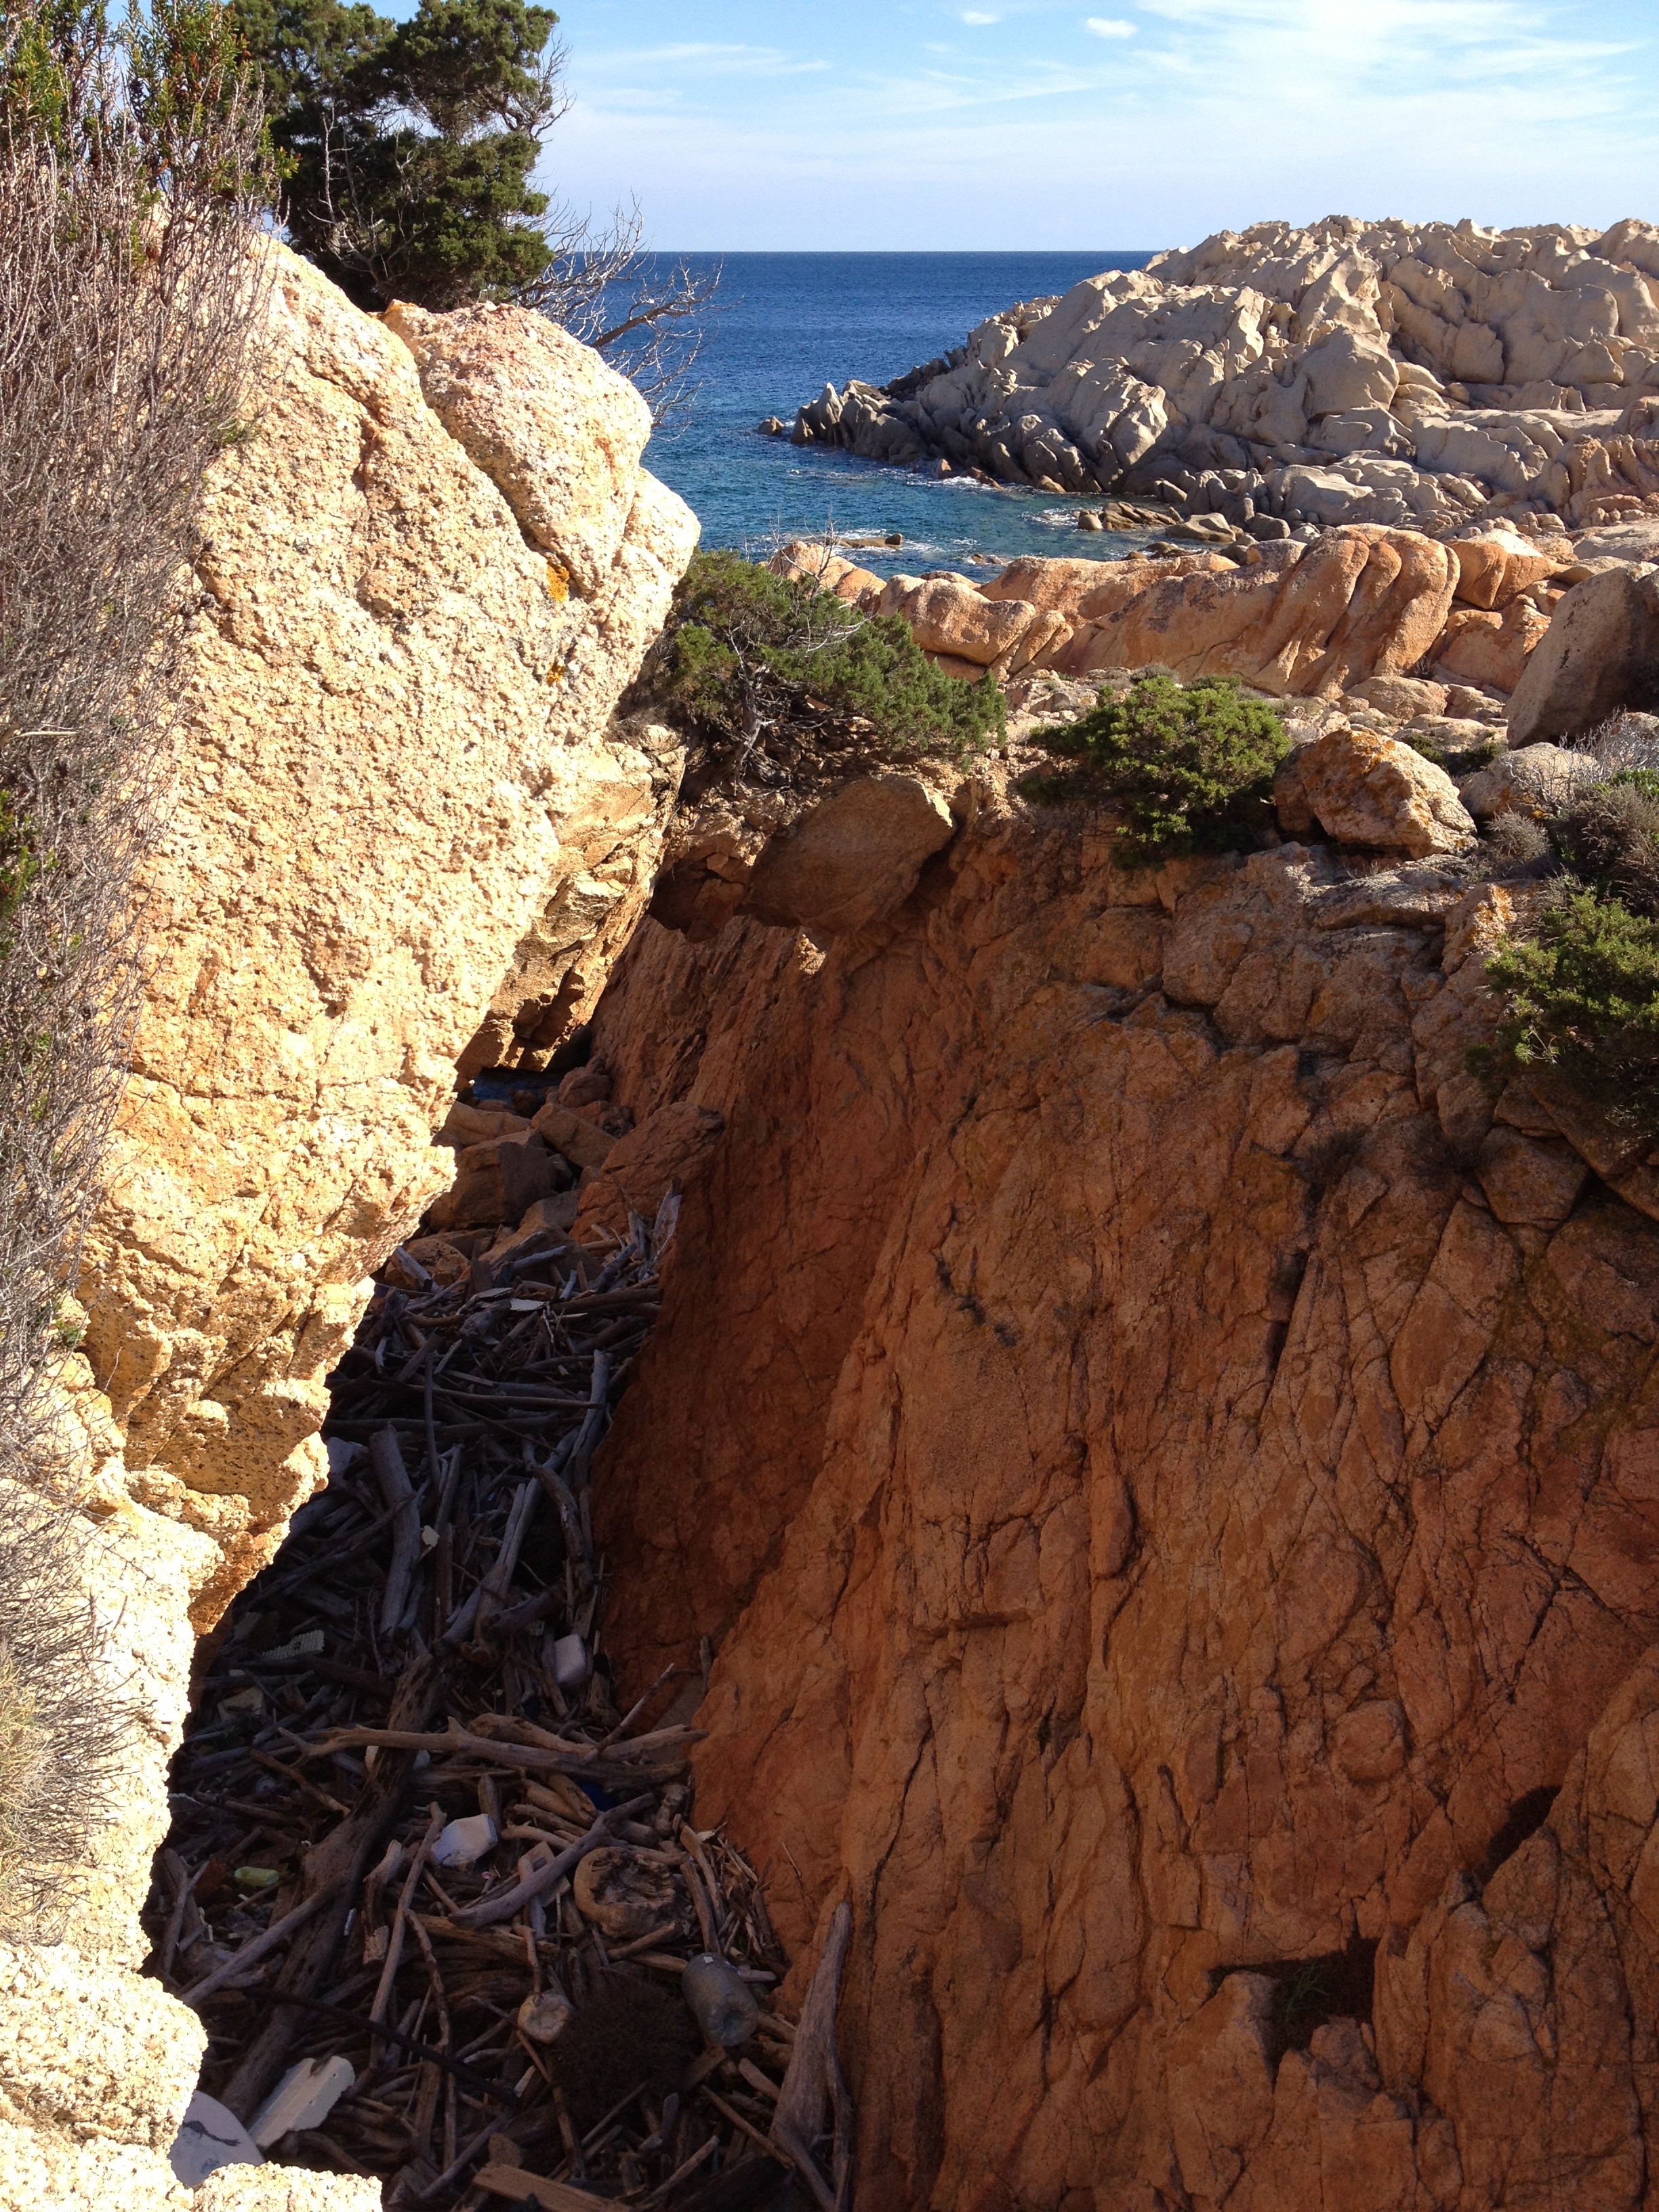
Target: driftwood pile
x,y
413,1835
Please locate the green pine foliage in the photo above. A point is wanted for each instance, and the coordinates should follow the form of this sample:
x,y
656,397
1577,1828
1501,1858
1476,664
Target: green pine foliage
x,y
748,652
407,148
1582,993
1190,769
1581,988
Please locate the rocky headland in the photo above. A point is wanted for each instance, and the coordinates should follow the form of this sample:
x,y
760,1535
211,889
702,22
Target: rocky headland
x,y
1420,375
1149,1455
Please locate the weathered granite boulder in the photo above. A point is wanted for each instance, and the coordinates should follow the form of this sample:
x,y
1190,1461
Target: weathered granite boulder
x,y
1538,779
391,771
852,859
1289,619
1371,791
1602,652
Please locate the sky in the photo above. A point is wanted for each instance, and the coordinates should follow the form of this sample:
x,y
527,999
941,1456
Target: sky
x,y
864,125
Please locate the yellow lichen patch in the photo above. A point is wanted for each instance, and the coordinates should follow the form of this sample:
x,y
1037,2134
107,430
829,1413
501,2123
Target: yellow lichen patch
x,y
558,582
555,675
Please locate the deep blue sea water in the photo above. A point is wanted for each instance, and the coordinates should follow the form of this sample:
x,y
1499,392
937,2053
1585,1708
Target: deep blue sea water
x,y
792,322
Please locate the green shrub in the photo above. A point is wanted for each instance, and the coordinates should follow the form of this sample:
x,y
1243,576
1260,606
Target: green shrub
x,y
750,650
1463,760
1192,770
1583,1002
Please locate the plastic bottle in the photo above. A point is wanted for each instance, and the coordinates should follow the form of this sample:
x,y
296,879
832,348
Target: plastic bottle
x,y
721,2002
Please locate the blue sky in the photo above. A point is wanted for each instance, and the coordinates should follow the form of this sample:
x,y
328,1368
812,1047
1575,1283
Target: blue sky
x,y
910,123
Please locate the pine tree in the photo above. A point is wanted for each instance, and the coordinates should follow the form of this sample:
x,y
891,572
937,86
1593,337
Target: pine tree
x,y
407,148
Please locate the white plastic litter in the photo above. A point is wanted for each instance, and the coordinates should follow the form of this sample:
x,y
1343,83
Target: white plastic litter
x,y
463,1841
209,2137
341,1454
571,1666
304,2098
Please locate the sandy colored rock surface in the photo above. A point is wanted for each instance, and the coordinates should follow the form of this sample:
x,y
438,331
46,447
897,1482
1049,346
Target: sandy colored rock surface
x,y
392,774
1367,790
851,858
382,791
1600,645
666,1154
1291,621
1208,1510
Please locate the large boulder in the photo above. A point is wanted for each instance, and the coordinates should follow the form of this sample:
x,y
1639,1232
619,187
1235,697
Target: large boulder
x,y
1372,791
1491,650
852,859
1602,652
1294,621
1494,565
392,773
1538,779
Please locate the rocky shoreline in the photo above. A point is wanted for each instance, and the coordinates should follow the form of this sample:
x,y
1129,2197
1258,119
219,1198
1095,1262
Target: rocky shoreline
x,y
1423,376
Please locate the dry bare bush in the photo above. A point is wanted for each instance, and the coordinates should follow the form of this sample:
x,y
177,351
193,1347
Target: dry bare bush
x,y
64,1716
131,180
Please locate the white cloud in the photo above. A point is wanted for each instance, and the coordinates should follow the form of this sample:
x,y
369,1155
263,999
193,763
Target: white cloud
x,y
1108,27
1415,108
974,15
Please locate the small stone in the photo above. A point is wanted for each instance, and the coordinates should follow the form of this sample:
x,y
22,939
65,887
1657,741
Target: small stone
x,y
544,2018
721,2002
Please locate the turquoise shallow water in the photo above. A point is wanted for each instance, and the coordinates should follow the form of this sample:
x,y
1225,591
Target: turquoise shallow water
x,y
793,322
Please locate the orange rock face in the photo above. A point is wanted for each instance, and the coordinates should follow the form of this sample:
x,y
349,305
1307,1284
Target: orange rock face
x,y
1174,1487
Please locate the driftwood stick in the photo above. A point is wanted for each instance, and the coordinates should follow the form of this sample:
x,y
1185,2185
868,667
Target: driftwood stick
x,y
336,1865
278,1932
423,2051
501,1904
498,1581
639,1705
398,1492
814,2084
394,1949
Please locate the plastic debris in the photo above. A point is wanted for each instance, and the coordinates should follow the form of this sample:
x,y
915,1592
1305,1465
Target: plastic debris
x,y
463,1841
722,2003
256,1877
571,1664
209,2137
304,2098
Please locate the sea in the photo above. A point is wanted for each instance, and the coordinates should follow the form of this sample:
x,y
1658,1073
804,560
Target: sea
x,y
788,324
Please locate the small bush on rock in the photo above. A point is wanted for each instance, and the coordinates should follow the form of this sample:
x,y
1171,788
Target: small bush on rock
x,y
1192,770
1610,837
1583,992
753,659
